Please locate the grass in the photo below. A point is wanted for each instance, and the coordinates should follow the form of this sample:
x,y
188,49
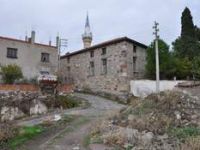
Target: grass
x,y
185,132
25,134
144,108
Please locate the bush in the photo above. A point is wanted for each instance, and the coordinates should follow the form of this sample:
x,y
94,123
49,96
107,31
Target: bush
x,y
66,102
11,73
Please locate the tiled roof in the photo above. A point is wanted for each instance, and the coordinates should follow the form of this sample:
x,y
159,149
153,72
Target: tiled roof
x,y
22,41
101,45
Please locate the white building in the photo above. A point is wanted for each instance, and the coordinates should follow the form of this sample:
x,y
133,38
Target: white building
x,y
33,58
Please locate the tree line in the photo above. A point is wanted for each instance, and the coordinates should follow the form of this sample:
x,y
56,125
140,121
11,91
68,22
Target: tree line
x,y
184,59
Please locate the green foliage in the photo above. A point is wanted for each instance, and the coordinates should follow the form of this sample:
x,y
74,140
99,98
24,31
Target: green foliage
x,y
66,102
197,33
186,47
196,67
179,67
185,60
185,132
164,57
11,73
188,29
25,134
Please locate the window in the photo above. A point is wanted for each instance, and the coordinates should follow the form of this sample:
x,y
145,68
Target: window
x,y
44,72
134,49
103,51
44,57
68,69
91,68
11,52
91,53
68,60
104,66
134,64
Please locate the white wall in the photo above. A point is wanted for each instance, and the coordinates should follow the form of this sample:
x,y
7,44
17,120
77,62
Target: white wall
x,y
143,88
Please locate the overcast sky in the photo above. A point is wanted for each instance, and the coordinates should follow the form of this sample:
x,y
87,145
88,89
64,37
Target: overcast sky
x,y
108,18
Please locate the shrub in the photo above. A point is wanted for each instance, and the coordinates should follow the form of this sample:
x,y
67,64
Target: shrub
x,y
11,73
66,102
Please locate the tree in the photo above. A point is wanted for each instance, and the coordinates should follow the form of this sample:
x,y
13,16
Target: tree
x,y
196,67
188,29
187,44
164,57
11,73
197,33
186,47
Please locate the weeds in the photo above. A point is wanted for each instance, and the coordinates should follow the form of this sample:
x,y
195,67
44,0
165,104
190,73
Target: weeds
x,y
25,134
185,132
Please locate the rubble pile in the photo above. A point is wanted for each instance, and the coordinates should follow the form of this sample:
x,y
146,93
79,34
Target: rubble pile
x,y
15,105
18,104
168,121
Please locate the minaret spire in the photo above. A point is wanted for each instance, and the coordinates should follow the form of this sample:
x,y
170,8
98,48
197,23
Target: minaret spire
x,y
87,23
87,35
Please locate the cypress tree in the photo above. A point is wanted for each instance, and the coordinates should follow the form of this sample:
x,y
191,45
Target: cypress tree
x,y
188,29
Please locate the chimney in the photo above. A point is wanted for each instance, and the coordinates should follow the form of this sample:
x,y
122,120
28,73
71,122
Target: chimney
x,y
49,42
26,38
57,41
32,37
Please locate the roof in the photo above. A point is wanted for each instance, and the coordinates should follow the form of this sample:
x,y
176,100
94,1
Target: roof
x,y
103,44
22,41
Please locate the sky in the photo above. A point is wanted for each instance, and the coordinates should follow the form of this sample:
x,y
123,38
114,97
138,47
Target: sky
x,y
108,19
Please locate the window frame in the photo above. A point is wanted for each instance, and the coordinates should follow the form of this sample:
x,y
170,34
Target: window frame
x,y
47,58
134,64
92,54
104,51
92,68
104,66
12,53
134,49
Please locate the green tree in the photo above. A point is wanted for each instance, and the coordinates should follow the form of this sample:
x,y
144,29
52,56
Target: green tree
x,y
196,67
188,29
11,73
197,33
186,47
187,44
164,58
180,68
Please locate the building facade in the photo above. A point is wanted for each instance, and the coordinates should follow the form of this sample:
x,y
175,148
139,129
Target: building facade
x,y
33,58
107,67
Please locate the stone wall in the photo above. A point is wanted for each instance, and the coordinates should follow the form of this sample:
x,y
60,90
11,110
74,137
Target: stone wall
x,y
119,68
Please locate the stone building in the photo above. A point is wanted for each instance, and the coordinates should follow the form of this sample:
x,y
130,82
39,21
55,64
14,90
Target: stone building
x,y
33,58
107,67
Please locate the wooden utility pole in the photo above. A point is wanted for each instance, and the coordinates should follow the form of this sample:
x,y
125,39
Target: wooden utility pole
x,y
155,27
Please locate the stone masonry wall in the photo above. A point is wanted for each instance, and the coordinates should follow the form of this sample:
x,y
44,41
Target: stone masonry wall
x,y
119,68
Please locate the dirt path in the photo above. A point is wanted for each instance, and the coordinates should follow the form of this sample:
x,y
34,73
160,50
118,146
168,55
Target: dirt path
x,y
72,136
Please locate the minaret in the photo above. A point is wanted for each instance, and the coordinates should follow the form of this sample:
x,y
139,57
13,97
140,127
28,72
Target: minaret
x,y
87,35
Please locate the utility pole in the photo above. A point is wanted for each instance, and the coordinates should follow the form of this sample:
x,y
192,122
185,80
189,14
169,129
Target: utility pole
x,y
61,43
155,27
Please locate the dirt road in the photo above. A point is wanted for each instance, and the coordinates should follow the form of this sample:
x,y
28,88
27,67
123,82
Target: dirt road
x,y
72,136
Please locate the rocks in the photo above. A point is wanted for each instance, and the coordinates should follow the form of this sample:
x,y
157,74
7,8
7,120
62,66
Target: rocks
x,y
37,107
10,113
18,104
146,138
